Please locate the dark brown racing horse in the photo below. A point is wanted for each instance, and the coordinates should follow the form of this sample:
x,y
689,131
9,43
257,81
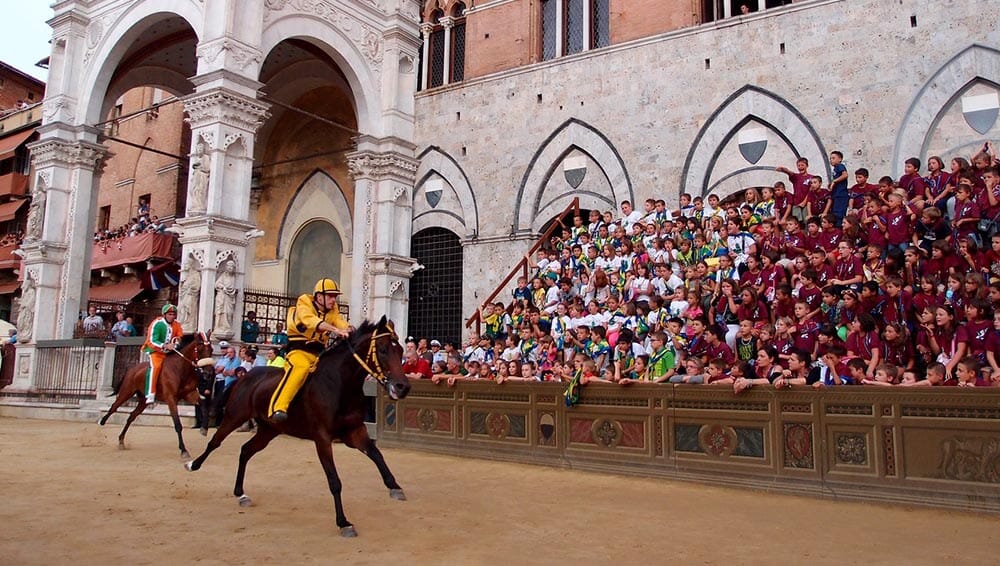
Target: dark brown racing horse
x,y
330,406
182,369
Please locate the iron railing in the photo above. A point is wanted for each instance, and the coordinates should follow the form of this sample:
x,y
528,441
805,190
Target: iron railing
x,y
271,307
128,352
67,370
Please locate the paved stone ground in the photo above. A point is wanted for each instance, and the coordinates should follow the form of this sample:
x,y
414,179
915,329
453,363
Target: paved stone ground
x,y
69,496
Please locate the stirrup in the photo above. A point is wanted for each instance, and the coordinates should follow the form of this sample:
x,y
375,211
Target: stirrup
x,y
278,417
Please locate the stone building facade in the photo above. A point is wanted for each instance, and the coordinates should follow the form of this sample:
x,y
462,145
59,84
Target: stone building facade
x,y
388,130
245,74
681,110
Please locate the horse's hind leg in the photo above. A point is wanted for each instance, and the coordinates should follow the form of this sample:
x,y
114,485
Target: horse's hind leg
x,y
324,449
358,438
259,441
139,408
123,396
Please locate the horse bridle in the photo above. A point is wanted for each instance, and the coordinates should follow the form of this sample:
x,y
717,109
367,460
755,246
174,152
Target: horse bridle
x,y
193,363
378,373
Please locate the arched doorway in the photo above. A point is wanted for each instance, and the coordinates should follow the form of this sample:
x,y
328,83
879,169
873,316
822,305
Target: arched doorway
x,y
436,290
316,253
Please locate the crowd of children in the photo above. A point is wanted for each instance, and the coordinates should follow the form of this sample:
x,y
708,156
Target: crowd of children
x,y
807,282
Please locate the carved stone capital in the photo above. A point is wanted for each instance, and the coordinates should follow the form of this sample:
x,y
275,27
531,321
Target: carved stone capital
x,y
53,152
227,107
377,166
447,22
241,54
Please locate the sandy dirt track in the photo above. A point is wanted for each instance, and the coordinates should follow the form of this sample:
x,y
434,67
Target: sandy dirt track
x,y
71,497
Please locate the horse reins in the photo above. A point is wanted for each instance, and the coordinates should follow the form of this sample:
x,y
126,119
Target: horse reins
x,y
185,358
377,373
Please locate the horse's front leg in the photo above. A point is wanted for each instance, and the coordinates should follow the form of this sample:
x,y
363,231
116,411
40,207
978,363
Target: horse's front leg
x,y
172,405
259,441
358,438
324,449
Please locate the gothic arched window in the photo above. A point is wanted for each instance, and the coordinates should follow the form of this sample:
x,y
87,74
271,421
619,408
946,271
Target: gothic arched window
x,y
573,26
458,43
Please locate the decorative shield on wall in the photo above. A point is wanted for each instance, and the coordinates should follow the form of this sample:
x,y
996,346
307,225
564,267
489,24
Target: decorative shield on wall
x,y
753,144
981,111
432,191
575,170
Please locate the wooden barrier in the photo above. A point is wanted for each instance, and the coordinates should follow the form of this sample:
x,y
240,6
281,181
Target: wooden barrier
x,y
935,446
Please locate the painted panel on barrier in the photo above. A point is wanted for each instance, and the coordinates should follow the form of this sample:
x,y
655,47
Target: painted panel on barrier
x,y
798,445
719,440
497,426
972,456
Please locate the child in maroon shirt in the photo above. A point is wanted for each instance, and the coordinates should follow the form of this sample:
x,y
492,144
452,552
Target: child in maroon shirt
x,y
810,294
861,188
897,222
799,180
967,213
912,182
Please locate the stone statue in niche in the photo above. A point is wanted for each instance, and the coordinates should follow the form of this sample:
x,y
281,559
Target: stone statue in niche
x,y
189,294
201,169
36,213
225,299
26,309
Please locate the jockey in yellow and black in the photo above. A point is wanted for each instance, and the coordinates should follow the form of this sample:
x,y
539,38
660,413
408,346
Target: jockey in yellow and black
x,y
311,322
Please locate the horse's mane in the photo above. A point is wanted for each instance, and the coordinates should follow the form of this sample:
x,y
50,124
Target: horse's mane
x,y
187,339
360,333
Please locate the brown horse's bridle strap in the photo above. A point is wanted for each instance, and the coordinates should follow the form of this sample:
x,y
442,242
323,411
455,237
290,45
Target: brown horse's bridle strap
x,y
377,373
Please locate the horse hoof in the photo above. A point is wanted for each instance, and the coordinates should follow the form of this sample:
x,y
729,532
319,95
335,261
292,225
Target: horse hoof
x,y
397,494
245,501
185,454
189,466
348,531
121,446
204,432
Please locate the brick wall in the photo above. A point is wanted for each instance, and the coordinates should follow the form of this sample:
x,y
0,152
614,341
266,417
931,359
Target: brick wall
x,y
150,173
511,40
634,19
14,88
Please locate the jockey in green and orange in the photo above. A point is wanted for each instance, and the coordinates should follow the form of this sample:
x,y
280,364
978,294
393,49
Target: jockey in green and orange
x,y
160,339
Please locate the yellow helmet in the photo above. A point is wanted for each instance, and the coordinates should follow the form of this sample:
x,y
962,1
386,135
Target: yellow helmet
x,y
326,285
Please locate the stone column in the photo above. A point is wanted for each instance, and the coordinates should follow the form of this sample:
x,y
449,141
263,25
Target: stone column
x,y
560,28
727,9
384,171
58,249
588,36
447,23
425,62
224,122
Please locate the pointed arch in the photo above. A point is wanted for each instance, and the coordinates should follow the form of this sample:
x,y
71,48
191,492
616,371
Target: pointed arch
x,y
461,219
749,103
316,251
319,197
976,63
573,134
